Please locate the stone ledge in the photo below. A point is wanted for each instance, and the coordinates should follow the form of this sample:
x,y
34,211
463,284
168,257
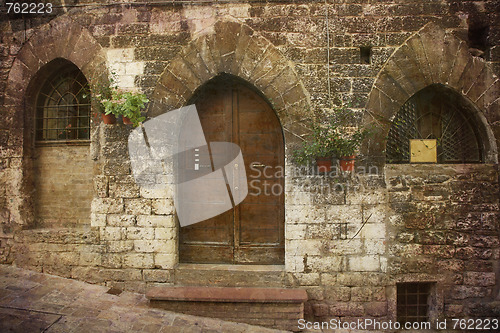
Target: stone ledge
x,y
227,294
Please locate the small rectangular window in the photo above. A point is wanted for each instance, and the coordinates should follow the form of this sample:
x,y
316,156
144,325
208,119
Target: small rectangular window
x,y
365,53
413,301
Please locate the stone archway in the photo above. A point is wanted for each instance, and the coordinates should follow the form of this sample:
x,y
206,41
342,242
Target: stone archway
x,y
234,48
433,56
62,38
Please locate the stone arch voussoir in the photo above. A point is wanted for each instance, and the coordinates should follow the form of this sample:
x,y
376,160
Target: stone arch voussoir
x,y
433,56
234,48
61,38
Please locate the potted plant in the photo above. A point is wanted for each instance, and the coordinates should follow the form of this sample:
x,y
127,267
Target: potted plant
x,y
319,147
349,137
126,104
335,136
114,102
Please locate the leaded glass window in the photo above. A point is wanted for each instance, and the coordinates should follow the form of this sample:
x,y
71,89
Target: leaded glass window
x,y
439,114
63,107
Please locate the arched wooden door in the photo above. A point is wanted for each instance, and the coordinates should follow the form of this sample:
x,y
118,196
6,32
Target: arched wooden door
x,y
253,231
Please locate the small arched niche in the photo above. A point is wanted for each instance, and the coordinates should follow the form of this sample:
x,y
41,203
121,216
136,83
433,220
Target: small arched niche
x,y
442,121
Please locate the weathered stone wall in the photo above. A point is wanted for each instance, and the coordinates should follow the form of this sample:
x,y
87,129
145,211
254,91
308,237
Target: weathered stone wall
x,y
445,228
349,240
63,186
411,223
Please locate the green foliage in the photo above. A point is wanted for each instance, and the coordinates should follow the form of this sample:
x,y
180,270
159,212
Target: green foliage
x,y
334,137
126,104
120,103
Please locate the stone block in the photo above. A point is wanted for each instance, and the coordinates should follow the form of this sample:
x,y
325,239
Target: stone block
x,y
158,246
376,309
165,233
107,205
123,190
90,259
361,294
453,310
358,279
302,247
294,263
124,55
97,220
338,294
350,309
374,246
373,231
165,192
88,274
118,220
120,246
138,260
295,231
157,275
165,261
305,279
162,206
463,292
303,214
140,233
112,260
320,310
101,186
138,206
481,279
155,221
324,264
123,274
111,233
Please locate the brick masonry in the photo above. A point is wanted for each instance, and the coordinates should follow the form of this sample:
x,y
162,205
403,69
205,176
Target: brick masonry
x,y
63,184
349,240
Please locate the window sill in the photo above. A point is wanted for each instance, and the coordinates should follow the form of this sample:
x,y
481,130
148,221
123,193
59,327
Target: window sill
x,y
62,143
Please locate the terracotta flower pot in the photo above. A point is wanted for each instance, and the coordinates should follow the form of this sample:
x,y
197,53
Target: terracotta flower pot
x,y
324,164
108,118
347,163
127,121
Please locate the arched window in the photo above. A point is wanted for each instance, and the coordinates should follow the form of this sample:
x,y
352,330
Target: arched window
x,y
439,121
63,106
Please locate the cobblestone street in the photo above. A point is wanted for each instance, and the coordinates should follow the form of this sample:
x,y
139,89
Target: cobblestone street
x,y
35,302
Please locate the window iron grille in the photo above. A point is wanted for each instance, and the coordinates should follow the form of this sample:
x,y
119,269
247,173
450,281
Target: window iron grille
x,y
63,107
413,302
435,114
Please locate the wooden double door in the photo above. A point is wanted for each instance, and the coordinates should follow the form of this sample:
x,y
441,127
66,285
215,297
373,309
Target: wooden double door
x,y
252,232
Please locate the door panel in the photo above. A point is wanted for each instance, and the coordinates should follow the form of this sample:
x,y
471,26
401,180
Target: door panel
x,y
253,231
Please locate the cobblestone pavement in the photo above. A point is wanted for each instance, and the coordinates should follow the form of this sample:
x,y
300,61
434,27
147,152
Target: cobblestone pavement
x,y
36,302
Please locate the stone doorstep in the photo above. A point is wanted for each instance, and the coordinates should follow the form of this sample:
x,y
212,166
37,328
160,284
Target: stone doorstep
x,y
227,294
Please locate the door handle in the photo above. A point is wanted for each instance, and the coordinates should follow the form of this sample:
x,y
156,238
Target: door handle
x,y
258,165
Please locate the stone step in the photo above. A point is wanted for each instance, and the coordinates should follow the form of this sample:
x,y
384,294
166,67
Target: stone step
x,y
270,307
220,275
